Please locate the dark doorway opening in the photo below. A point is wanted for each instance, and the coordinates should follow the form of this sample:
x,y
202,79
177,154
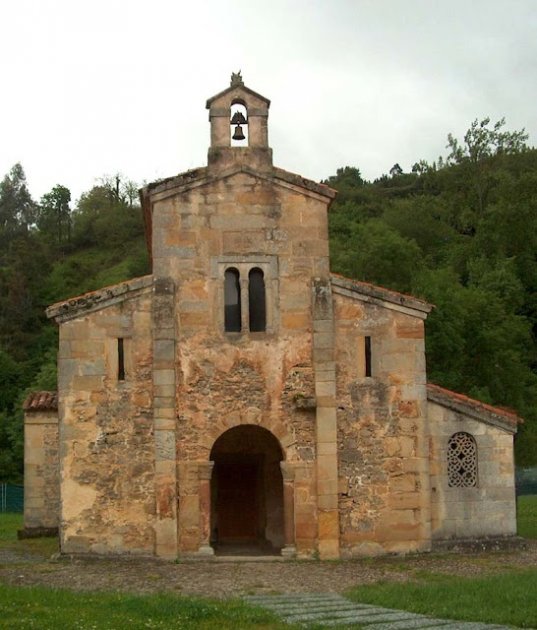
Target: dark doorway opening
x,y
247,493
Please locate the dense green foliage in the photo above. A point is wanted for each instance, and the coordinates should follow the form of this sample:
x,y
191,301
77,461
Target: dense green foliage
x,y
460,233
49,252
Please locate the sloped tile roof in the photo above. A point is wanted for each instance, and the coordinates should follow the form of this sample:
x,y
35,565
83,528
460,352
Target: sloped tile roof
x,y
499,416
41,401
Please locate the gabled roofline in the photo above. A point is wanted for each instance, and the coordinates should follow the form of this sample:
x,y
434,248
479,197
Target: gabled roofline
x,y
97,300
203,176
303,182
235,87
505,419
373,294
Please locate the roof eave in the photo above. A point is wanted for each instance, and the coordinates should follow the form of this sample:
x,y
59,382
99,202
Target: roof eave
x,y
203,176
387,298
96,300
477,410
231,88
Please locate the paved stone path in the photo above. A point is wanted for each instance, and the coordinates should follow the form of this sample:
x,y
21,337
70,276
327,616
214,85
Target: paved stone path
x,y
330,609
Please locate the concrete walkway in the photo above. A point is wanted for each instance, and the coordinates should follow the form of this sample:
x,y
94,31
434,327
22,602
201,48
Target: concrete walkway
x,y
330,609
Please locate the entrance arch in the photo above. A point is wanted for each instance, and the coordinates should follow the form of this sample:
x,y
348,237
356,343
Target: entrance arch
x,y
247,511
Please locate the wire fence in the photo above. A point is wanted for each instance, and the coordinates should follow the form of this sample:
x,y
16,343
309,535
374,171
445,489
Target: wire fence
x,y
526,481
11,498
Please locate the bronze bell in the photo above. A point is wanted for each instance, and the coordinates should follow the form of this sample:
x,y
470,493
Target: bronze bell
x,y
238,133
238,119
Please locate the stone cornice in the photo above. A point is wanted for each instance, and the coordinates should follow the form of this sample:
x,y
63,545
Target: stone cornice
x,y
366,292
96,300
203,176
236,88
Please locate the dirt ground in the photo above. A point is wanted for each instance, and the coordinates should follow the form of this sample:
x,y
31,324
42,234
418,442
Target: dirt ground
x,y
22,566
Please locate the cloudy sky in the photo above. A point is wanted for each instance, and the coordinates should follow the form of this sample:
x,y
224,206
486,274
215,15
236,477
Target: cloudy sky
x,y
95,88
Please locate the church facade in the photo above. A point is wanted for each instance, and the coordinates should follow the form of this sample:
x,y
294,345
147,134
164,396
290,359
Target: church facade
x,y
241,398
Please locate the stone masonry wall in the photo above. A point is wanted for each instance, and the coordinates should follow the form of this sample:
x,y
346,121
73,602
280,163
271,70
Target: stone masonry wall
x,y
382,448
41,470
226,379
489,508
107,449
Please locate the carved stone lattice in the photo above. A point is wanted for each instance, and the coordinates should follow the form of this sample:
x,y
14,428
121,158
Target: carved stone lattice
x,y
462,461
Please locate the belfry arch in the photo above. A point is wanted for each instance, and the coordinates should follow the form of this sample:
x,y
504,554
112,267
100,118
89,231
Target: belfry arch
x,y
247,492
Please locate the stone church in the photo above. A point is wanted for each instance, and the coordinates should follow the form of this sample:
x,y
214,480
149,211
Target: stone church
x,y
242,399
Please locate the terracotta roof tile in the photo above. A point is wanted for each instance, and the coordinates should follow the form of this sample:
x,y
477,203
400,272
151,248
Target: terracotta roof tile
x,y
508,415
41,401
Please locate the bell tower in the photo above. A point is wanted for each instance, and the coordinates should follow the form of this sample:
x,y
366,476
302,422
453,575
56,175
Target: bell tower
x,y
239,128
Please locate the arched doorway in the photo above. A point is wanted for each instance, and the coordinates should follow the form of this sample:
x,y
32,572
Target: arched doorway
x,y
247,492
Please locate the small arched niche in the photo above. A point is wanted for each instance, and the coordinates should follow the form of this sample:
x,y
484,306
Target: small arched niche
x,y
238,124
247,492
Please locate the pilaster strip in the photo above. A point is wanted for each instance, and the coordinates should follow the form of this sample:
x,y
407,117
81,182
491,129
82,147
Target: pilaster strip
x,y
164,419
326,426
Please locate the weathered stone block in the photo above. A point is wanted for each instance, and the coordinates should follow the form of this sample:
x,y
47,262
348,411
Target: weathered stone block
x,y
164,377
295,320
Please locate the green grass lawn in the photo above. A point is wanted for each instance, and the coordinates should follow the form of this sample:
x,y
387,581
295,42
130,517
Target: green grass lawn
x,y
527,516
9,524
45,609
507,598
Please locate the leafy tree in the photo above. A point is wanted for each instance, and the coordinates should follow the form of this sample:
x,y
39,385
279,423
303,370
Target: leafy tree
x,y
12,420
107,246
120,189
54,214
377,253
10,377
479,153
475,344
17,209
102,218
462,234
422,167
396,170
423,219
22,276
348,177
482,142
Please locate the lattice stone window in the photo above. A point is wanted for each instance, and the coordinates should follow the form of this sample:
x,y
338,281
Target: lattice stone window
x,y
462,461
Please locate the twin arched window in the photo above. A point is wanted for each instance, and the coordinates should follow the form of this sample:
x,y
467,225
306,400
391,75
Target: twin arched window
x,y
257,311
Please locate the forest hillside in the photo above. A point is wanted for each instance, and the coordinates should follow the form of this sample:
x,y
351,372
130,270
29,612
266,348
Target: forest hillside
x,y
460,233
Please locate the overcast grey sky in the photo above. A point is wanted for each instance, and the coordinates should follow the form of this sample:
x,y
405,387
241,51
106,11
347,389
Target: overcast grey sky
x,y
93,88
